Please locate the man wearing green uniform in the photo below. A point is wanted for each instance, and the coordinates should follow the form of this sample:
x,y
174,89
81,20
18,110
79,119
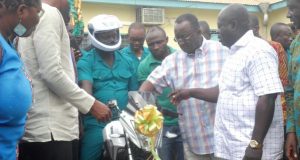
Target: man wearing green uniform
x,y
106,74
172,142
136,38
292,146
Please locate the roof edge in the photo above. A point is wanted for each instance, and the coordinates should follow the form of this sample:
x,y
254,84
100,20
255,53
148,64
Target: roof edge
x,y
278,5
173,4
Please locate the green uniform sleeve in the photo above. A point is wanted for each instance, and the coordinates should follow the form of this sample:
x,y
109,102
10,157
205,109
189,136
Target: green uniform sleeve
x,y
142,73
133,84
290,123
84,68
289,97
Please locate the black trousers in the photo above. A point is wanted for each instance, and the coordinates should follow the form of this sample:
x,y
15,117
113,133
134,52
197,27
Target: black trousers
x,y
53,150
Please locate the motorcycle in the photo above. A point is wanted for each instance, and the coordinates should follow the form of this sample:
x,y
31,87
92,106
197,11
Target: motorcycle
x,y
121,140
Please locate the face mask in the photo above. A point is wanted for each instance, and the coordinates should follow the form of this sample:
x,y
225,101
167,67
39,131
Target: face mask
x,y
20,30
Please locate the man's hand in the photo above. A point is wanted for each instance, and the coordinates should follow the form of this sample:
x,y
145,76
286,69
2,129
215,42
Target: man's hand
x,y
291,146
100,111
179,95
77,54
253,154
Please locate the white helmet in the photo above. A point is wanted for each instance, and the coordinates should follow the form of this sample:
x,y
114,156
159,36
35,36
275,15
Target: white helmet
x,y
100,23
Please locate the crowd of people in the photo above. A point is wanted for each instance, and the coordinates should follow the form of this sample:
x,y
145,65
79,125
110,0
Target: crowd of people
x,y
236,98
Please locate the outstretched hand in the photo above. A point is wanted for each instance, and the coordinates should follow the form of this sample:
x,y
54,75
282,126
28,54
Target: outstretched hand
x,y
179,95
77,54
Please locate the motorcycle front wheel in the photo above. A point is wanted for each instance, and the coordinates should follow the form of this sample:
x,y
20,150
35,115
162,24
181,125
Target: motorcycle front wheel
x,y
138,153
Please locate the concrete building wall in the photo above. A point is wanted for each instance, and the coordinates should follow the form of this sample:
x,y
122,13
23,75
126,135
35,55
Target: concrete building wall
x,y
127,14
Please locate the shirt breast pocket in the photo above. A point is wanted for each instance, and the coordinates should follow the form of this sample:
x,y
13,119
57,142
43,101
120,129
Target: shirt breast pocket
x,y
233,79
124,75
101,78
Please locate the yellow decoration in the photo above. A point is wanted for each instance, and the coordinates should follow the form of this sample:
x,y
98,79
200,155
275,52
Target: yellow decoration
x,y
76,17
148,121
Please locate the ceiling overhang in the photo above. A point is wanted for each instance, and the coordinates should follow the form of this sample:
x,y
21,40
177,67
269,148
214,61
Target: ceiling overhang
x,y
185,4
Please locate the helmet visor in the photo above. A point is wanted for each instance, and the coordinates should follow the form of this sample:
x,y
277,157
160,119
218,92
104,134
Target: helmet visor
x,y
110,37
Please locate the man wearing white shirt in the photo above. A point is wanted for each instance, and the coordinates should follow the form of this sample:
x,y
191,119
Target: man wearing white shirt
x,y
52,124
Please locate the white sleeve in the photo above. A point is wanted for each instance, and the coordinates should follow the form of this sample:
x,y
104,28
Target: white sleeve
x,y
47,42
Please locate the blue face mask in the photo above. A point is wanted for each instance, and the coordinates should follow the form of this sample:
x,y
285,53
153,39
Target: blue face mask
x,y
20,30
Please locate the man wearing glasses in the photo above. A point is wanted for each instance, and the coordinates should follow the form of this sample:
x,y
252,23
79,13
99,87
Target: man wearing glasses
x,y
199,64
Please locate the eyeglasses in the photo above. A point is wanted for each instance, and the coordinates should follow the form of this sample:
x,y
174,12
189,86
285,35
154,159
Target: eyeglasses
x,y
183,39
41,13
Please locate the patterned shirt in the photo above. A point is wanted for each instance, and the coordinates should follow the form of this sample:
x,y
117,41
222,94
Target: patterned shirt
x,y
200,70
250,71
293,110
283,73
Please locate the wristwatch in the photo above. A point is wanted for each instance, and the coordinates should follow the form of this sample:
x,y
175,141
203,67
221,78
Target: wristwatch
x,y
254,144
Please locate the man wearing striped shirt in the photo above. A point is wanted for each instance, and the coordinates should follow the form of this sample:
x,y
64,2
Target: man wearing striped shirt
x,y
199,64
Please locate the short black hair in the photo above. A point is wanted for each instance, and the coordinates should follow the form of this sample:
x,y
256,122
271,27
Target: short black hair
x,y
136,25
204,24
192,19
275,29
156,28
253,20
14,4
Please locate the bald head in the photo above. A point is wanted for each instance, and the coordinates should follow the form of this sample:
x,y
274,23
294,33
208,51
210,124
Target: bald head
x,y
254,24
277,28
253,20
236,12
282,33
62,6
204,27
233,23
59,4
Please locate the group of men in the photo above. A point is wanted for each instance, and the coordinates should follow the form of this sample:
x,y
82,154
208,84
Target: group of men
x,y
103,73
219,100
247,88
